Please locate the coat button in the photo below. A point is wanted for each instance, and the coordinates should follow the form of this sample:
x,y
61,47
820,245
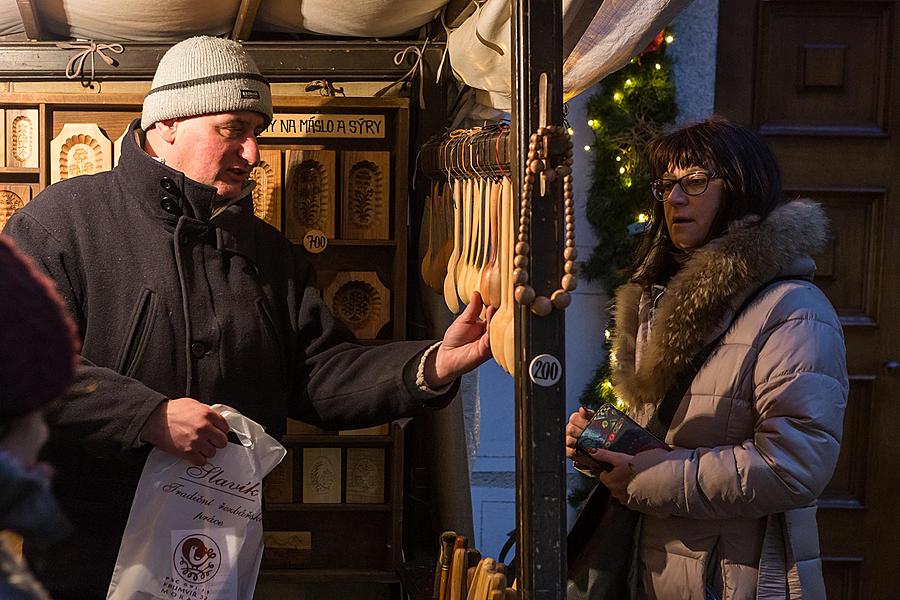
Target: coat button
x,y
198,349
168,185
170,205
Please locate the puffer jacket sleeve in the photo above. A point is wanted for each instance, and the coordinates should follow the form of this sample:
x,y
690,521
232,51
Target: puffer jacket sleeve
x,y
103,410
800,391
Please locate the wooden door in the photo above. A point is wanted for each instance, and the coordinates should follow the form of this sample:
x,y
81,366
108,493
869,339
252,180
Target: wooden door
x,y
817,79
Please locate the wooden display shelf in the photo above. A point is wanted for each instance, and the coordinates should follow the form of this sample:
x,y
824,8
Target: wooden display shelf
x,y
334,440
339,242
342,507
20,171
328,575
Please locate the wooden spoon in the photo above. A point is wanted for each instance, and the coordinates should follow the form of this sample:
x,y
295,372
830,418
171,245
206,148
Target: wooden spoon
x,y
494,291
445,205
450,296
498,323
478,204
465,242
509,334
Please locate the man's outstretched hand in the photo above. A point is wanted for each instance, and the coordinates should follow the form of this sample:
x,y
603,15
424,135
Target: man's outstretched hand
x,y
466,345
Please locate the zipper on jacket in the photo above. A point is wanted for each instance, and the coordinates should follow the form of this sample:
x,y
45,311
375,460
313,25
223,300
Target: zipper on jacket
x,y
138,331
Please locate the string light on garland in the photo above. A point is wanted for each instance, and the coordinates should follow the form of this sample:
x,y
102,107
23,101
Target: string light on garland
x,y
670,38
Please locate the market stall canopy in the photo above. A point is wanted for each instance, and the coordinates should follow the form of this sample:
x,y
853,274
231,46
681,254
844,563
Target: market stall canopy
x,y
599,36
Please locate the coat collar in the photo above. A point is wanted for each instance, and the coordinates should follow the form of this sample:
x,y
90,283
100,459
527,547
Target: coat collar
x,y
703,296
167,194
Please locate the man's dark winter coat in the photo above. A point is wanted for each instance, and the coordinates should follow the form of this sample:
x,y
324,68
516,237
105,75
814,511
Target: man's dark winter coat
x,y
171,303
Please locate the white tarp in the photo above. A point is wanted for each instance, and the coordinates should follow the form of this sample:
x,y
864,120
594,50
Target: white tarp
x,y
359,18
153,20
603,35
126,20
479,47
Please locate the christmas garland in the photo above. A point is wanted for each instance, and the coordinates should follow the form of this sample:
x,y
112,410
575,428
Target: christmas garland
x,y
632,107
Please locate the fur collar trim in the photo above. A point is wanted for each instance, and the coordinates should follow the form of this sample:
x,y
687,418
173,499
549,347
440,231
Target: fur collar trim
x,y
701,299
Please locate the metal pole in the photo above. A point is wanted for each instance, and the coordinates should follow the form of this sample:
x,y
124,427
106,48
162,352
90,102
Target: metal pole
x,y
540,400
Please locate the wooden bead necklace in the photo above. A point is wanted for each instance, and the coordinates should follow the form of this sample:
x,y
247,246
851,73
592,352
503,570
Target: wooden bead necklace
x,y
548,144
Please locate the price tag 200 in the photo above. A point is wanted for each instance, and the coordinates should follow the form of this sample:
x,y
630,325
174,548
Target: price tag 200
x,y
545,370
315,241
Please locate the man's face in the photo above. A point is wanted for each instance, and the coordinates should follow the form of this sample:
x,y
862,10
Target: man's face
x,y
218,150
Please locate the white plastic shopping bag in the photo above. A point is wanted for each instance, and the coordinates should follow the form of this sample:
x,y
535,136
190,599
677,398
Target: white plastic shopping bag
x,y
196,532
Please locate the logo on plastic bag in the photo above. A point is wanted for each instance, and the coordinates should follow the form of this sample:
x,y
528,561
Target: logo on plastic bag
x,y
197,558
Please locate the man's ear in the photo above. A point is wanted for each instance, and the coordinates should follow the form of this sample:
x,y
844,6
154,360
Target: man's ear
x,y
166,129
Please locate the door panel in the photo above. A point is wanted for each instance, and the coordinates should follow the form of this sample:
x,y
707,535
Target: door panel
x,y
823,67
815,78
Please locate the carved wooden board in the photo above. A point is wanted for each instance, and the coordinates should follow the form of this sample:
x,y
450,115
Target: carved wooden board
x,y
309,193
365,198
365,475
321,475
12,198
23,146
267,193
2,138
279,484
360,301
79,149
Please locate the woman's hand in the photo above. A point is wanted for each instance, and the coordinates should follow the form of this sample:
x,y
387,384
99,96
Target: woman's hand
x,y
617,478
577,422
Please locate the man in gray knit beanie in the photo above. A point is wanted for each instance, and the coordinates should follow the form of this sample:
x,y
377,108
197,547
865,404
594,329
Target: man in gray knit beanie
x,y
206,105
205,75
185,299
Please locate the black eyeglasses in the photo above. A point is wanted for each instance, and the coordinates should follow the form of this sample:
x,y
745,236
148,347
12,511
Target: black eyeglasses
x,y
692,184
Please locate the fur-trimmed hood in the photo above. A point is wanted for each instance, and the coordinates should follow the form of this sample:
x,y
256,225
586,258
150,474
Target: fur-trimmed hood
x,y
701,298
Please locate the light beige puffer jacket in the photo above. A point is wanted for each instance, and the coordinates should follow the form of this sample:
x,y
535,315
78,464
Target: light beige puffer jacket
x,y
734,502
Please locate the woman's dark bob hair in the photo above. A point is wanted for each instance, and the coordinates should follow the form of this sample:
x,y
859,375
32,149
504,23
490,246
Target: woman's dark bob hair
x,y
752,185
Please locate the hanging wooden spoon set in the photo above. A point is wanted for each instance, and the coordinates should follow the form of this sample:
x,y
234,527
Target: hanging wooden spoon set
x,y
473,238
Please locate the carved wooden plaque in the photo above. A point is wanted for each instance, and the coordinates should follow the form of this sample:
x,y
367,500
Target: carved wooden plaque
x,y
321,475
2,138
309,193
279,484
365,204
365,475
267,193
360,301
23,146
79,149
12,198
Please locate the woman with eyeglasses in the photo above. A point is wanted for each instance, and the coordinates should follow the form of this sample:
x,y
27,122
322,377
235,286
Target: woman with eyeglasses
x,y
724,280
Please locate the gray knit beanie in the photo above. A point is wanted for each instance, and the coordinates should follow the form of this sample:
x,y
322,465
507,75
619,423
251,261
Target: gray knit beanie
x,y
205,75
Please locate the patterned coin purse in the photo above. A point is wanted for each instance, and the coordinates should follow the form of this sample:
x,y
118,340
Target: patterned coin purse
x,y
611,429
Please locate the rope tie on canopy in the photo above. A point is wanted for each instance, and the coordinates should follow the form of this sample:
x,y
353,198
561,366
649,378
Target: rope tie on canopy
x,y
417,67
75,66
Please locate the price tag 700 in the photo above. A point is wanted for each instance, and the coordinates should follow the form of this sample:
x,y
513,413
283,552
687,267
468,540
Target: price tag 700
x,y
315,241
